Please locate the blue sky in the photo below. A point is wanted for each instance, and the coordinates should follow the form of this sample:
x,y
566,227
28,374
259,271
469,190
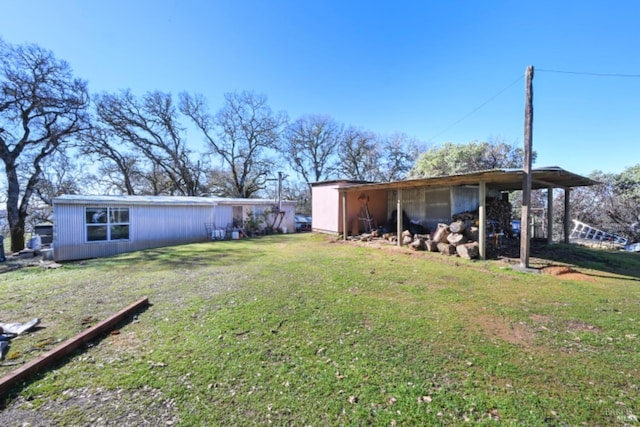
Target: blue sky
x,y
436,70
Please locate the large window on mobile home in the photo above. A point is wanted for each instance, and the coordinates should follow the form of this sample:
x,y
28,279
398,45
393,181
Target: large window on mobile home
x,y
106,224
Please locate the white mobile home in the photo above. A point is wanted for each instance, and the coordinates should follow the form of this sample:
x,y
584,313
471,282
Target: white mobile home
x,y
97,226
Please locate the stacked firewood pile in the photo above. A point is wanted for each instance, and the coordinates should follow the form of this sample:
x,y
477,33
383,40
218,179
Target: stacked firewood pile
x,y
498,211
456,238
460,237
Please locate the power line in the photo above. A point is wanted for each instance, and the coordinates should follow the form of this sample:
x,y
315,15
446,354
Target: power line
x,y
585,73
476,109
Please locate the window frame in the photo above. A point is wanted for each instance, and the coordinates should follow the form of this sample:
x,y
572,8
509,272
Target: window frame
x,y
113,217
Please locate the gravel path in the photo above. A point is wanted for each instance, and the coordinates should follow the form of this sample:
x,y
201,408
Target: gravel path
x,y
99,407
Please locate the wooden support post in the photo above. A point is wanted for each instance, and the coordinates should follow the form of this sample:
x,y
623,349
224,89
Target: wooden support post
x,y
482,219
550,215
344,215
399,217
525,228
567,214
69,346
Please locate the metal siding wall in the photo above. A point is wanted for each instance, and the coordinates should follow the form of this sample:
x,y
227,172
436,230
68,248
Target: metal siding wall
x,y
429,206
289,218
465,199
150,226
413,203
224,216
438,207
68,231
169,225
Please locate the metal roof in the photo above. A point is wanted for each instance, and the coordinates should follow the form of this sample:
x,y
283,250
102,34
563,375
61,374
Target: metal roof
x,y
341,181
501,179
161,200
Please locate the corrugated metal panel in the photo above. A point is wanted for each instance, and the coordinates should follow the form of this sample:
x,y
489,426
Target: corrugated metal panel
x,y
165,200
289,218
427,206
224,216
465,199
438,207
137,200
413,203
150,226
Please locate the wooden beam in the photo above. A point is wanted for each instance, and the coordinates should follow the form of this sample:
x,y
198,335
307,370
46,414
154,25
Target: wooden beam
x,y
567,215
399,217
526,180
68,346
482,219
547,183
344,216
550,215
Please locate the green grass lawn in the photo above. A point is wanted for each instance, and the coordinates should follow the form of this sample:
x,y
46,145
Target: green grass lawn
x,y
302,330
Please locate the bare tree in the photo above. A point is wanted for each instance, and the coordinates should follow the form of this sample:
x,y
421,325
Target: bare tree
x,y
241,136
311,144
117,166
149,125
612,205
299,192
42,106
398,155
359,155
61,175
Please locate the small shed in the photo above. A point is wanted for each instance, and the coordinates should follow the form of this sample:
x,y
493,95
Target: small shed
x,y
97,226
355,206
327,206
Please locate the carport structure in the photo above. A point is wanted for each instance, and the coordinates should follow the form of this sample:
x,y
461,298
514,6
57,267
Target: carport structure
x,y
457,193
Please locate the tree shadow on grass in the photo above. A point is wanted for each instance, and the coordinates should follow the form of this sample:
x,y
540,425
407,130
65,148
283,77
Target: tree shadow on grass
x,y
610,261
224,253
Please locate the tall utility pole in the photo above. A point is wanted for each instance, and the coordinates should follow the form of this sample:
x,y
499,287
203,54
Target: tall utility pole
x,y
525,228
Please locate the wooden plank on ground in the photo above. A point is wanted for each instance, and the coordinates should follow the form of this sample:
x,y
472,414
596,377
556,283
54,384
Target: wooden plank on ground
x,y
69,346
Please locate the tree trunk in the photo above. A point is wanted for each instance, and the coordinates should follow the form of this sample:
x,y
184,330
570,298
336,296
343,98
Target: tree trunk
x,y
468,251
14,213
17,235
